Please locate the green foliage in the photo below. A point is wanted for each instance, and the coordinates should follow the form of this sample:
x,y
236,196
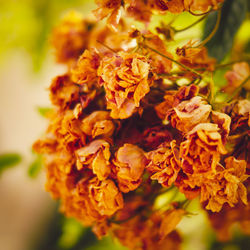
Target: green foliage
x,y
71,233
9,160
232,16
44,111
35,167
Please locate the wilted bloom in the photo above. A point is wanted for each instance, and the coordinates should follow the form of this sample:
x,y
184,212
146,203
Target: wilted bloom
x,y
201,6
70,38
223,221
225,186
237,76
223,121
77,204
109,8
96,157
125,80
201,151
164,163
160,64
130,163
85,71
139,10
173,98
138,233
98,123
105,196
63,92
173,6
187,114
195,57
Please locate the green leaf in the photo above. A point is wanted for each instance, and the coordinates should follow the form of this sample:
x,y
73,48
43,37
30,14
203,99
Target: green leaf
x,y
72,231
9,160
35,167
233,14
44,111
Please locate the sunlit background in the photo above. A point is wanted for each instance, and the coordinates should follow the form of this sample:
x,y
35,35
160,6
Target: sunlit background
x,y
28,217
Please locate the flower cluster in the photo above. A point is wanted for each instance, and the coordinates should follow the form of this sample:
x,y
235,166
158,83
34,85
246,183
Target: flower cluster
x,y
123,130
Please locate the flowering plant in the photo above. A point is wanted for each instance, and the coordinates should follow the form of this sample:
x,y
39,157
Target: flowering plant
x,y
134,119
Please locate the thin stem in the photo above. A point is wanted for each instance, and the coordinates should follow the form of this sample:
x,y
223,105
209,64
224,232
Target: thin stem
x,y
238,89
213,31
230,63
191,25
176,62
211,94
106,46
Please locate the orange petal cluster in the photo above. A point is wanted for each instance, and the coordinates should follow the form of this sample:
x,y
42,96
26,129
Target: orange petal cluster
x,y
131,121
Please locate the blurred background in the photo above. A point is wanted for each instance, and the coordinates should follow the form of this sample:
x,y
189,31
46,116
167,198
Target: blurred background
x,y
28,216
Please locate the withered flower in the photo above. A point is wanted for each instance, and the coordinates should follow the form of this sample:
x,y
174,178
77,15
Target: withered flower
x,y
160,64
130,163
125,80
98,123
201,151
173,98
224,122
195,57
85,71
187,114
235,77
105,196
225,186
164,163
63,92
95,156
70,38
109,8
201,6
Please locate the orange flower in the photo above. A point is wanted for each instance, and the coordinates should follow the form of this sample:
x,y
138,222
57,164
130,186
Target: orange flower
x,y
240,114
174,6
85,71
164,163
45,146
139,10
98,123
223,121
201,5
159,64
67,130
125,80
195,57
187,114
138,233
96,157
227,217
173,98
235,77
105,196
70,38
130,163
63,92
59,180
78,204
201,151
225,186
109,8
